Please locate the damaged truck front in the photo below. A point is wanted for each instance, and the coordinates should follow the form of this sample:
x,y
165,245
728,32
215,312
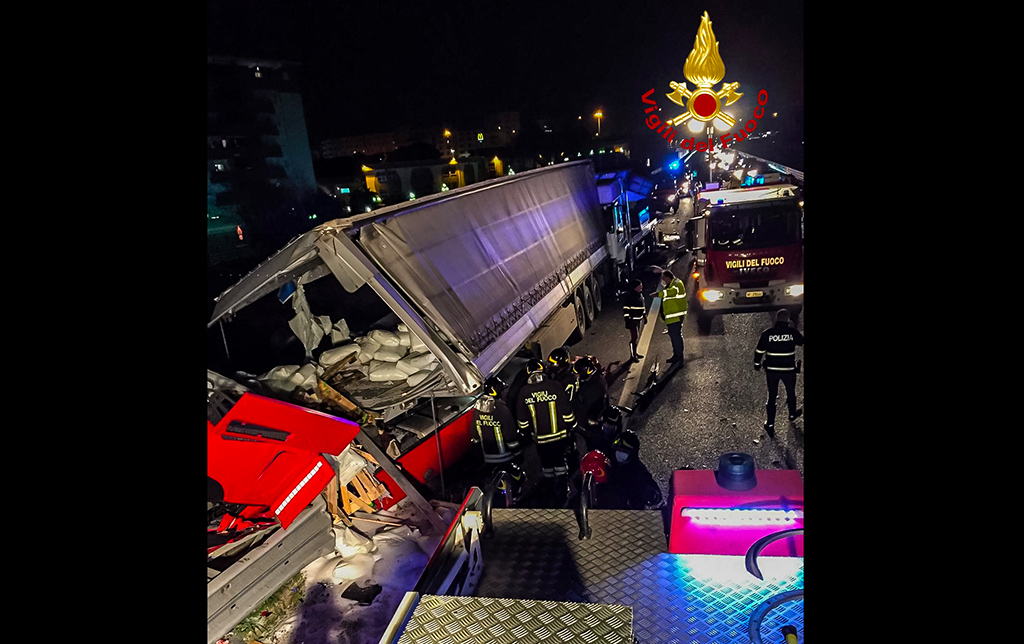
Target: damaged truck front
x,y
395,318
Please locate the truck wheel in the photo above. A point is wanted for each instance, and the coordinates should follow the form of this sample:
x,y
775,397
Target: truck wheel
x,y
588,303
581,321
704,323
595,289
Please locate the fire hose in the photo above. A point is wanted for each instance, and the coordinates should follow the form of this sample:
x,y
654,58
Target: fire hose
x,y
502,480
754,625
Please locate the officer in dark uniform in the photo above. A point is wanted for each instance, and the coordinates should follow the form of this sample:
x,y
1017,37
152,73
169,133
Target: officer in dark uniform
x,y
776,352
544,409
496,432
634,313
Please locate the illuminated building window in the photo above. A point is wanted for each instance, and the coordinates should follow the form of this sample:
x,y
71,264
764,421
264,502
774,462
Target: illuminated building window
x,y
258,74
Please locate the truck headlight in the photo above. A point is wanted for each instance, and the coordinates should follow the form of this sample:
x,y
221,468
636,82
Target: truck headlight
x,y
796,289
712,295
671,198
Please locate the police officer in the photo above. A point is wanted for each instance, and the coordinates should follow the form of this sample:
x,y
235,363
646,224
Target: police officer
x,y
544,409
634,313
776,351
673,311
497,434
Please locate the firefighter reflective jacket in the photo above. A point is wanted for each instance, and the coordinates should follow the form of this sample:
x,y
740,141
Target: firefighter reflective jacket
x,y
544,408
777,348
495,430
673,301
633,309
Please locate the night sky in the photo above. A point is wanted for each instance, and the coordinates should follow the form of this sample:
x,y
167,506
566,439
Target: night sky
x,y
372,67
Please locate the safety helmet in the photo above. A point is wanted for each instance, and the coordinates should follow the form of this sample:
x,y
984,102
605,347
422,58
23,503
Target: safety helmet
x,y
627,440
533,365
597,464
559,356
494,387
584,367
635,283
612,416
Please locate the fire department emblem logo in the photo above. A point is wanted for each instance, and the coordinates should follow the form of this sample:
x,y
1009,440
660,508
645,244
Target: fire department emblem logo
x,y
704,68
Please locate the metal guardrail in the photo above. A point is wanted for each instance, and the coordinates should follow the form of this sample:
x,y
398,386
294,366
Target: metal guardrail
x,y
237,591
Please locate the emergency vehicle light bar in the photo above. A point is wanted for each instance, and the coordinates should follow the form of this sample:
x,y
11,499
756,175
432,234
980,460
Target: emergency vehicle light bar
x,y
741,516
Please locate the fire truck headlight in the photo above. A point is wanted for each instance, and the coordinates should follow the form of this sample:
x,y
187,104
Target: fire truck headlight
x,y
711,295
671,198
795,290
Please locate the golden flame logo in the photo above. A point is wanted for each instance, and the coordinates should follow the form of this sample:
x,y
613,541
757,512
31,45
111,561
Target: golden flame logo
x,y
704,68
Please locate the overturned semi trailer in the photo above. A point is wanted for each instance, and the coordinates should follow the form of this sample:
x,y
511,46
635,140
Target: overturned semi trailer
x,y
395,318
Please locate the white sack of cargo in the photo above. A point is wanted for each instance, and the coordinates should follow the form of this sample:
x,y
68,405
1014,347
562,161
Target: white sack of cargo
x,y
402,327
333,356
417,378
288,378
413,363
385,372
367,348
404,338
384,338
389,354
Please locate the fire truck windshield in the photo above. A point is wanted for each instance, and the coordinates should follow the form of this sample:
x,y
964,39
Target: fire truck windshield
x,y
754,225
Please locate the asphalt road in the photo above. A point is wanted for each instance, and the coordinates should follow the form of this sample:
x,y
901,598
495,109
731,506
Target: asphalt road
x,y
714,403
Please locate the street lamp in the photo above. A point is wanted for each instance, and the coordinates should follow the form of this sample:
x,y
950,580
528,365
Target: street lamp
x,y
598,116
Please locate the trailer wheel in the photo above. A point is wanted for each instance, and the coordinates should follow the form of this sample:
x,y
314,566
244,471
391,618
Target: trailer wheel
x,y
581,321
595,288
588,303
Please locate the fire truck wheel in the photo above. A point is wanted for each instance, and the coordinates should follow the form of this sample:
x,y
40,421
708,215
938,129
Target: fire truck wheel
x,y
595,289
704,323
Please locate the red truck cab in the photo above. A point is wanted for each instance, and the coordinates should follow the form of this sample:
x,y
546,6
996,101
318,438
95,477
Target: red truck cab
x,y
748,250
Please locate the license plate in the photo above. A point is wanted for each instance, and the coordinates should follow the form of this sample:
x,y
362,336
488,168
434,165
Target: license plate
x,y
755,293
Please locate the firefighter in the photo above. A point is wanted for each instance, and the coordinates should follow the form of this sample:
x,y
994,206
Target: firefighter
x,y
630,485
494,428
673,311
776,352
496,432
543,408
559,368
634,313
591,394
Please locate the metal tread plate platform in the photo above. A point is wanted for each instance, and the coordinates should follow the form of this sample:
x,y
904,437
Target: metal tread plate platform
x,y
486,620
691,599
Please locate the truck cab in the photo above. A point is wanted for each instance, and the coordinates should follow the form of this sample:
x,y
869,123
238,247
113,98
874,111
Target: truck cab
x,y
748,250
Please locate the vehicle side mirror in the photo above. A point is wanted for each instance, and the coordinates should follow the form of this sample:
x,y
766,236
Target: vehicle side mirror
x,y
689,240
688,227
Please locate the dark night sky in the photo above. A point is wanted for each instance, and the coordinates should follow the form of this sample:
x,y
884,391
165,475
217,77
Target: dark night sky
x,y
371,67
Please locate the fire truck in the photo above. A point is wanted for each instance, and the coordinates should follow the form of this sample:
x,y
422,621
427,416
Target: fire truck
x,y
747,246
